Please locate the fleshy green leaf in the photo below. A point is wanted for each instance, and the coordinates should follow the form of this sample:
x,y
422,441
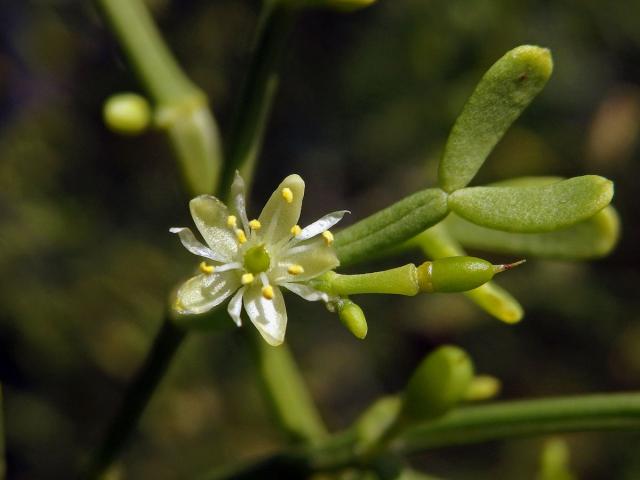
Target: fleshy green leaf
x,y
495,300
392,226
591,238
533,209
498,100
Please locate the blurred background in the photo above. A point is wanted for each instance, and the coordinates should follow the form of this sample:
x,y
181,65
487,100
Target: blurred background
x,y
365,104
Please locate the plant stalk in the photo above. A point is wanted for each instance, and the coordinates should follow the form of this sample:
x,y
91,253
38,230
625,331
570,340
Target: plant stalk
x,y
167,341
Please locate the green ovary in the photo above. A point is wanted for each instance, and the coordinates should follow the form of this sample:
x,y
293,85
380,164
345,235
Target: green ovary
x,y
256,259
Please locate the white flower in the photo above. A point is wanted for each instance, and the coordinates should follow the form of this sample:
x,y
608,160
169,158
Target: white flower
x,y
254,258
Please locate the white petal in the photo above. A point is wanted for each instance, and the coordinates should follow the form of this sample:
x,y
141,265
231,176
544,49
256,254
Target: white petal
x,y
320,225
235,307
278,215
210,216
239,202
269,316
200,294
314,256
306,292
190,242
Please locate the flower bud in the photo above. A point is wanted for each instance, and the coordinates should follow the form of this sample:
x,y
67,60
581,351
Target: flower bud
x,y
438,384
353,318
127,113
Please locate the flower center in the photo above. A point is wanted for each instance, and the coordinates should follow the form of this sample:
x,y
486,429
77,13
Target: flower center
x,y
256,259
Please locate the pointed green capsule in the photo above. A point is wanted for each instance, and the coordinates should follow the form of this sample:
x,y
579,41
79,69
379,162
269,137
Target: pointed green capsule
x,y
439,383
352,316
457,274
127,113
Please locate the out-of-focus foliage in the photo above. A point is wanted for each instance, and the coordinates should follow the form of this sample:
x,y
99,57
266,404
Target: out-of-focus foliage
x,y
365,105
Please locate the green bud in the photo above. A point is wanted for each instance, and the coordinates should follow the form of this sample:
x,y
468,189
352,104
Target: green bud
x,y
353,318
457,274
127,113
438,384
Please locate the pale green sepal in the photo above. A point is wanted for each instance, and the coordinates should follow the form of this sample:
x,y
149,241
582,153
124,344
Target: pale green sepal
x,y
498,100
591,238
269,316
391,227
533,209
282,210
210,216
495,300
201,293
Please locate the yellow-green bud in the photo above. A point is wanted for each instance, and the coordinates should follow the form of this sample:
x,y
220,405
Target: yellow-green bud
x,y
438,384
353,318
483,387
127,113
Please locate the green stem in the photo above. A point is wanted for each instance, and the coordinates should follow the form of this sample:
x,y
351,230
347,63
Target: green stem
x,y
400,281
181,106
466,425
286,392
165,345
154,64
502,420
258,91
3,464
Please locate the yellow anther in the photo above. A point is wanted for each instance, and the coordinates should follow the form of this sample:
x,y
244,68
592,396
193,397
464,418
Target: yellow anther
x,y
328,237
247,278
267,292
240,235
287,194
295,269
232,221
254,225
204,268
295,230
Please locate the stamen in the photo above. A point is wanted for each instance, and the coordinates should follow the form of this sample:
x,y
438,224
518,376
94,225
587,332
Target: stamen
x,y
287,194
242,238
246,278
267,292
254,224
328,237
232,221
207,269
295,269
295,230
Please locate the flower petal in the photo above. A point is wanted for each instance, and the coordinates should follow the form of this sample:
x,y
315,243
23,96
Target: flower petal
x,y
235,307
190,242
239,202
315,257
320,225
210,216
269,316
280,213
306,292
203,292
